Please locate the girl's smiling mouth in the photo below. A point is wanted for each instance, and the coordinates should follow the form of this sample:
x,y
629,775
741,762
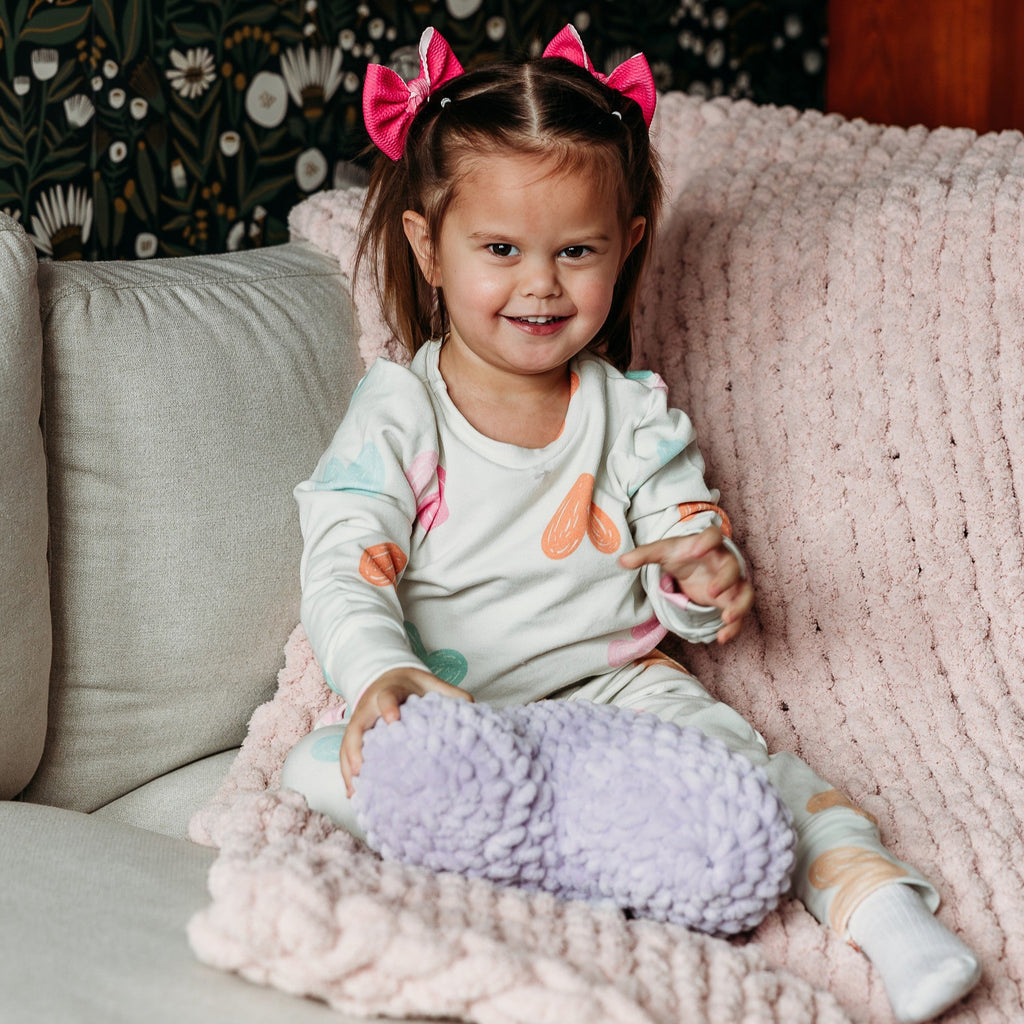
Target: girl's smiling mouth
x,y
537,324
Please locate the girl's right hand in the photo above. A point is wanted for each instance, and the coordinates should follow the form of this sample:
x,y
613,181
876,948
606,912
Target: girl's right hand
x,y
382,700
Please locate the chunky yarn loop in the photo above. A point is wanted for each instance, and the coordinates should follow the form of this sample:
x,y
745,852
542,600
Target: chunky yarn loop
x,y
580,800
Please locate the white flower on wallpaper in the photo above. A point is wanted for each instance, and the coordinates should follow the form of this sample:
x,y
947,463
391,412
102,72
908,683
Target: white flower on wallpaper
x,y
146,245
312,76
193,73
79,110
247,233
179,177
463,8
310,169
235,236
62,221
45,63
405,62
266,99
230,143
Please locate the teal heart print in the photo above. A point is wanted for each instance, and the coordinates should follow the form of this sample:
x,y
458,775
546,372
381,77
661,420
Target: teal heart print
x,y
447,664
365,474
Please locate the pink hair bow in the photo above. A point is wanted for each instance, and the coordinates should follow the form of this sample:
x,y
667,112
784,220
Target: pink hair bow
x,y
389,104
632,78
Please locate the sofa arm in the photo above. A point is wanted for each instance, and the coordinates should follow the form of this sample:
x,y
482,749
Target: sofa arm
x,y
24,595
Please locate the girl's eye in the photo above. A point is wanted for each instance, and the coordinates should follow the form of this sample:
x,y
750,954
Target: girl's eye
x,y
502,249
576,252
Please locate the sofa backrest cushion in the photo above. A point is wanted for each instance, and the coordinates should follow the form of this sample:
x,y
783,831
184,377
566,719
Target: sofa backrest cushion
x,y
24,601
183,400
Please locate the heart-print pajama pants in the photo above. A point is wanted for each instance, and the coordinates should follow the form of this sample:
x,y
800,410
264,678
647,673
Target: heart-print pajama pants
x,y
840,857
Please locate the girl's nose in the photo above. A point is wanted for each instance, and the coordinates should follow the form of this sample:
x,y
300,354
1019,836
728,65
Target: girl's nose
x,y
539,279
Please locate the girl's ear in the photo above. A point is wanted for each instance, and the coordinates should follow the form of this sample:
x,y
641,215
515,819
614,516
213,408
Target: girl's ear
x,y
637,227
415,225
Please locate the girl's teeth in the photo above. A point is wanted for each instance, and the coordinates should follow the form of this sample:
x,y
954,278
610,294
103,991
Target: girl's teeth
x,y
537,319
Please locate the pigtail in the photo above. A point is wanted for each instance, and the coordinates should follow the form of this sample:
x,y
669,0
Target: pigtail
x,y
383,251
641,168
412,308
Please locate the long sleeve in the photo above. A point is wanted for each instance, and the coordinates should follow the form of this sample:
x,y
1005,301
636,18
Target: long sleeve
x,y
669,498
357,513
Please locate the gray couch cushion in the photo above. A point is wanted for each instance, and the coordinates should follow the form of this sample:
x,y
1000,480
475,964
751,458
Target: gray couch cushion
x,y
167,803
24,600
183,400
92,930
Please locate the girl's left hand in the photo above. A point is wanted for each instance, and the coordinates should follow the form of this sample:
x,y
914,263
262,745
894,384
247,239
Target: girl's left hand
x,y
706,571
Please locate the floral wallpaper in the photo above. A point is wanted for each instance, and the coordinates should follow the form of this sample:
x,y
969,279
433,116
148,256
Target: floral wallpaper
x,y
139,128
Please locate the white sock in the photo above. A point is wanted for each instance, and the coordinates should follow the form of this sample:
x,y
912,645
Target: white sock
x,y
924,966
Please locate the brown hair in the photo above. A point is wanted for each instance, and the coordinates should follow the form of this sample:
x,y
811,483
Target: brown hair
x,y
546,106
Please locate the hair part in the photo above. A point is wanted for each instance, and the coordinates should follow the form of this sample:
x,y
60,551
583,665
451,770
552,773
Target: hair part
x,y
546,107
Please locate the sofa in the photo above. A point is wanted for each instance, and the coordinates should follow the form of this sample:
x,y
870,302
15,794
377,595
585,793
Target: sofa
x,y
148,559
838,305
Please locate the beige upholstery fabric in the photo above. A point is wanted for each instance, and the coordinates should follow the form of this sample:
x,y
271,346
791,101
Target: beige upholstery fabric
x,y
167,803
24,602
92,930
183,400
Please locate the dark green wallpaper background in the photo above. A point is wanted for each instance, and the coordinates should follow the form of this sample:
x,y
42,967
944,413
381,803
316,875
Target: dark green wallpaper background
x,y
138,128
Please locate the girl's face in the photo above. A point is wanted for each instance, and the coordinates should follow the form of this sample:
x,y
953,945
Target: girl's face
x,y
528,256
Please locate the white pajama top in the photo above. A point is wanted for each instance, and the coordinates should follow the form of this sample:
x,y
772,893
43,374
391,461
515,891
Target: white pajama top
x,y
495,567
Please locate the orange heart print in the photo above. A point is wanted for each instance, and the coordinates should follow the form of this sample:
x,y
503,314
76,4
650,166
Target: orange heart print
x,y
855,873
382,564
578,517
833,798
689,509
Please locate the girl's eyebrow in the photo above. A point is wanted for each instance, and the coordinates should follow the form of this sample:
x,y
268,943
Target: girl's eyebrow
x,y
491,235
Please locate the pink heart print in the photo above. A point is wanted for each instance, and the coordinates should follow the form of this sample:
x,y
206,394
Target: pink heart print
x,y
431,508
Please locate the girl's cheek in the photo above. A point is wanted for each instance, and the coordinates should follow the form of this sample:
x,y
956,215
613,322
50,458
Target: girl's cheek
x,y
489,289
598,293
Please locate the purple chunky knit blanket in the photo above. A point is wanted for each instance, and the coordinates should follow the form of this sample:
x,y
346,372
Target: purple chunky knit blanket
x,y
582,801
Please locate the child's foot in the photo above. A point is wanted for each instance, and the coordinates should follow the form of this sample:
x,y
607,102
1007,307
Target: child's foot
x,y
925,967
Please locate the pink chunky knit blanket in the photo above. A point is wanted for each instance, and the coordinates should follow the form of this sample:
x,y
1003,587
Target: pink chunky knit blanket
x,y
302,906
840,308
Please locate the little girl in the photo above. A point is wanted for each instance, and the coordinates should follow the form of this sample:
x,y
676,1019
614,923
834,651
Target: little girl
x,y
517,516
